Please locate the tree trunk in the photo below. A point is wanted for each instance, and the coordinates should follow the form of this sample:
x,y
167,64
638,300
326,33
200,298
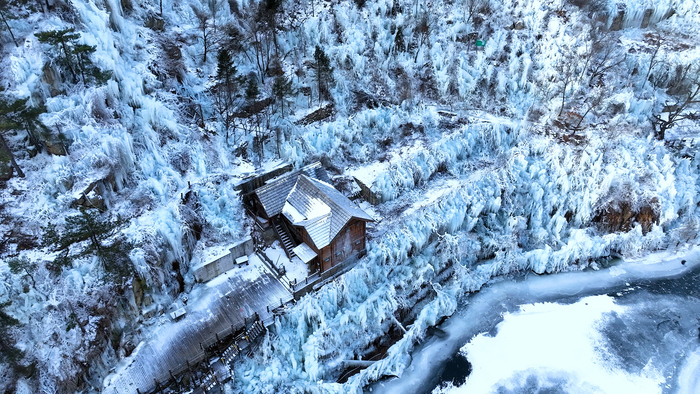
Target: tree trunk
x,y
2,15
563,97
651,64
34,283
206,46
33,138
12,156
68,61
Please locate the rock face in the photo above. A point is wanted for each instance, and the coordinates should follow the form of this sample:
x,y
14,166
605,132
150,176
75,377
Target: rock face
x,y
51,79
55,148
647,17
623,216
155,22
619,19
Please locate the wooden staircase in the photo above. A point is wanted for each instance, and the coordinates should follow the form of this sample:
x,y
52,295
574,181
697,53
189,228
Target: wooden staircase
x,y
255,331
285,237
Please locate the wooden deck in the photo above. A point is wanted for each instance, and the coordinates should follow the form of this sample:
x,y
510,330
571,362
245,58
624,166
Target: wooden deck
x,y
217,308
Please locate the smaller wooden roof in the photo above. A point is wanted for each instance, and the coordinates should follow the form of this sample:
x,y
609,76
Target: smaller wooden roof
x,y
304,252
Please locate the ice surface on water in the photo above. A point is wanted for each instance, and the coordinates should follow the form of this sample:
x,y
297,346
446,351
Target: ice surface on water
x,y
689,376
572,361
639,342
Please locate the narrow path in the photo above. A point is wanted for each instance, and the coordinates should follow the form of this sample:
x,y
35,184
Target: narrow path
x,y
215,309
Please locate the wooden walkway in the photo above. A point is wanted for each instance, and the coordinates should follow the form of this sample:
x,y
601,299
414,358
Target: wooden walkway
x,y
222,306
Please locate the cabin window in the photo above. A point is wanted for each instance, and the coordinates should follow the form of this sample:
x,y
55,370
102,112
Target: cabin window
x,y
327,259
358,242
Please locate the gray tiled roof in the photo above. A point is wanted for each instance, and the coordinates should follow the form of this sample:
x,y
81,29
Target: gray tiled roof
x,y
275,191
321,209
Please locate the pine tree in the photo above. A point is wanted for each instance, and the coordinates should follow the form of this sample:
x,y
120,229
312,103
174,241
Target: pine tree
x,y
399,44
75,57
101,232
8,352
225,89
281,89
252,92
62,39
324,73
23,266
16,115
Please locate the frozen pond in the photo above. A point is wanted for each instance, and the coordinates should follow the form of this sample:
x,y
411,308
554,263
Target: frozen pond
x,y
633,327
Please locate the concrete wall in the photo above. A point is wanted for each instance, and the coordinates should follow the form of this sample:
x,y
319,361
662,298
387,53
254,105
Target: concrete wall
x,y
212,269
367,193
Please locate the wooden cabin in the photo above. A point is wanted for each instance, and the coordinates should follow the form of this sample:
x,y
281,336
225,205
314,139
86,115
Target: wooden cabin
x,y
314,221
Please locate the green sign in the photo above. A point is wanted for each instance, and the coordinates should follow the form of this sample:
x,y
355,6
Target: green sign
x,y
480,43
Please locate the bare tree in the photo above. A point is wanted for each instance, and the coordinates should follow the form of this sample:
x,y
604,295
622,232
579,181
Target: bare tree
x,y
686,93
470,8
593,102
602,57
423,32
203,18
566,69
656,41
213,6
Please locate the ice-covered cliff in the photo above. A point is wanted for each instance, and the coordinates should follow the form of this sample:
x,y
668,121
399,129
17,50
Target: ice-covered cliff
x,y
538,149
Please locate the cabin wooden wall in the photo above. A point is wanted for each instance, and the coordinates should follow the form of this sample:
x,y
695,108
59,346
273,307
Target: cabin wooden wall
x,y
349,241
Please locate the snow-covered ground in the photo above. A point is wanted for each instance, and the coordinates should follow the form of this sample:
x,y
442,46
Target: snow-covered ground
x,y
213,309
295,269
